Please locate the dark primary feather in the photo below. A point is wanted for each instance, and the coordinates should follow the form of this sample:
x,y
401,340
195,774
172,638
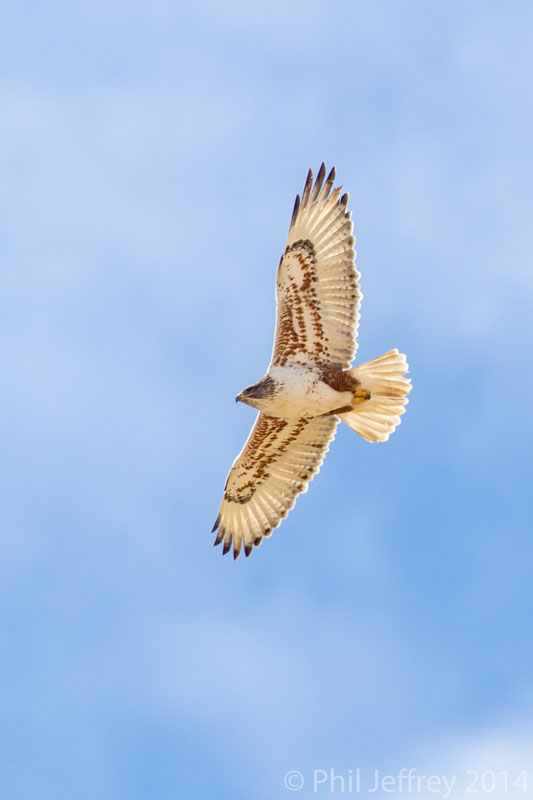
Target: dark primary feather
x,y
318,183
307,187
295,209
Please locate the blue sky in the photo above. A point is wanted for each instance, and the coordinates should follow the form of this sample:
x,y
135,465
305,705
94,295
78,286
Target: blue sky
x,y
150,155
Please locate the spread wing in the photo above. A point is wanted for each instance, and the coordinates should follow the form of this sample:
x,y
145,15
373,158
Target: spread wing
x,y
317,283
274,467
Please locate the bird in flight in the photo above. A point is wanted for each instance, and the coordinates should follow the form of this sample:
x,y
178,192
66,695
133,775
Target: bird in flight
x,y
309,386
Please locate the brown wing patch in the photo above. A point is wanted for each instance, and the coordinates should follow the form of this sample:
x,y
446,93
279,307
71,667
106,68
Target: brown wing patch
x,y
274,467
339,380
261,449
299,329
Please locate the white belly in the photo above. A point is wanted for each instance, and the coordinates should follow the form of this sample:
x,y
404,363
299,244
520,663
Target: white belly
x,y
301,393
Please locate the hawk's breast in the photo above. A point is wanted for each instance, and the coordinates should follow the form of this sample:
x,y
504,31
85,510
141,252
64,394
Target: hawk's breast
x,y
300,392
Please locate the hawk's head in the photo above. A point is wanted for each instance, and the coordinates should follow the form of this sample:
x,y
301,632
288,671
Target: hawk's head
x,y
253,395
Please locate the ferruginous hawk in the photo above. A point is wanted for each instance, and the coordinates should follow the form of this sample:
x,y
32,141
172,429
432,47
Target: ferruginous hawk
x,y
309,385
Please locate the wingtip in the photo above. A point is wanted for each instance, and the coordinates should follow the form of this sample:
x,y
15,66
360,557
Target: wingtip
x,y
307,187
319,189
318,183
227,547
328,185
217,523
295,209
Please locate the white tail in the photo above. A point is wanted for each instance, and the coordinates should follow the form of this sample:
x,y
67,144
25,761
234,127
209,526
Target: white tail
x,y
383,377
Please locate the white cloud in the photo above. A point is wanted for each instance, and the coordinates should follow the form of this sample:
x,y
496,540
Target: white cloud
x,y
495,761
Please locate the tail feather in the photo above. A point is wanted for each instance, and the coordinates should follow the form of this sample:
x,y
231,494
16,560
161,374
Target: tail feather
x,y
383,377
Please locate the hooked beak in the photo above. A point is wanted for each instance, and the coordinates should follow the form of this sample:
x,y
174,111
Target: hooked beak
x,y
239,398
